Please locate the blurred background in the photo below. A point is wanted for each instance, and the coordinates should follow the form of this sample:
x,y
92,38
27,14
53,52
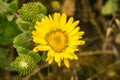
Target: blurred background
x,y
99,58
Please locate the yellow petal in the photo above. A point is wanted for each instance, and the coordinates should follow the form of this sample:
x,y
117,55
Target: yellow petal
x,y
69,56
40,30
73,38
61,55
80,33
51,53
78,42
68,24
75,47
50,60
63,20
81,42
50,56
37,34
72,26
69,50
37,23
74,31
48,25
40,41
41,48
57,19
66,62
57,57
74,56
66,55
52,22
59,64
42,27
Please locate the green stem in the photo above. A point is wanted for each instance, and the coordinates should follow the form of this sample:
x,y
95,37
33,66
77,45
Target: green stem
x,y
48,72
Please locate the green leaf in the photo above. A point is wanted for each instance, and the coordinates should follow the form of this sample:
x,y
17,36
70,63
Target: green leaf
x,y
23,40
3,7
10,17
3,52
8,30
23,25
4,62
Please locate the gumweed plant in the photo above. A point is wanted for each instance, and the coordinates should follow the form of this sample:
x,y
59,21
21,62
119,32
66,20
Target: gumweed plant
x,y
55,35
58,37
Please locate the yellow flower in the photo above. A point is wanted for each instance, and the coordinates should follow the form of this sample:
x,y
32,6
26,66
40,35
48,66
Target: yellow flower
x,y
59,37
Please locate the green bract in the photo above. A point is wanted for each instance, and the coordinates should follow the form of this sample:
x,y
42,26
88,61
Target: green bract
x,y
24,64
31,11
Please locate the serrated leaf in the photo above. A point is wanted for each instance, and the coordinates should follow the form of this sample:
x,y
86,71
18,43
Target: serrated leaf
x,y
23,40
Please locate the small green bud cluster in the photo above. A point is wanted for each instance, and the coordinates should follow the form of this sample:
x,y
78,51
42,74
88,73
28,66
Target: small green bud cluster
x,y
32,11
24,64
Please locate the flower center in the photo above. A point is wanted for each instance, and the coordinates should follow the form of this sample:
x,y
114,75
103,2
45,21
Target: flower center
x,y
57,40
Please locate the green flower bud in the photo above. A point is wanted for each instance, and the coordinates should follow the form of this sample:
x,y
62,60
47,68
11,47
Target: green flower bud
x,y
24,64
31,11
